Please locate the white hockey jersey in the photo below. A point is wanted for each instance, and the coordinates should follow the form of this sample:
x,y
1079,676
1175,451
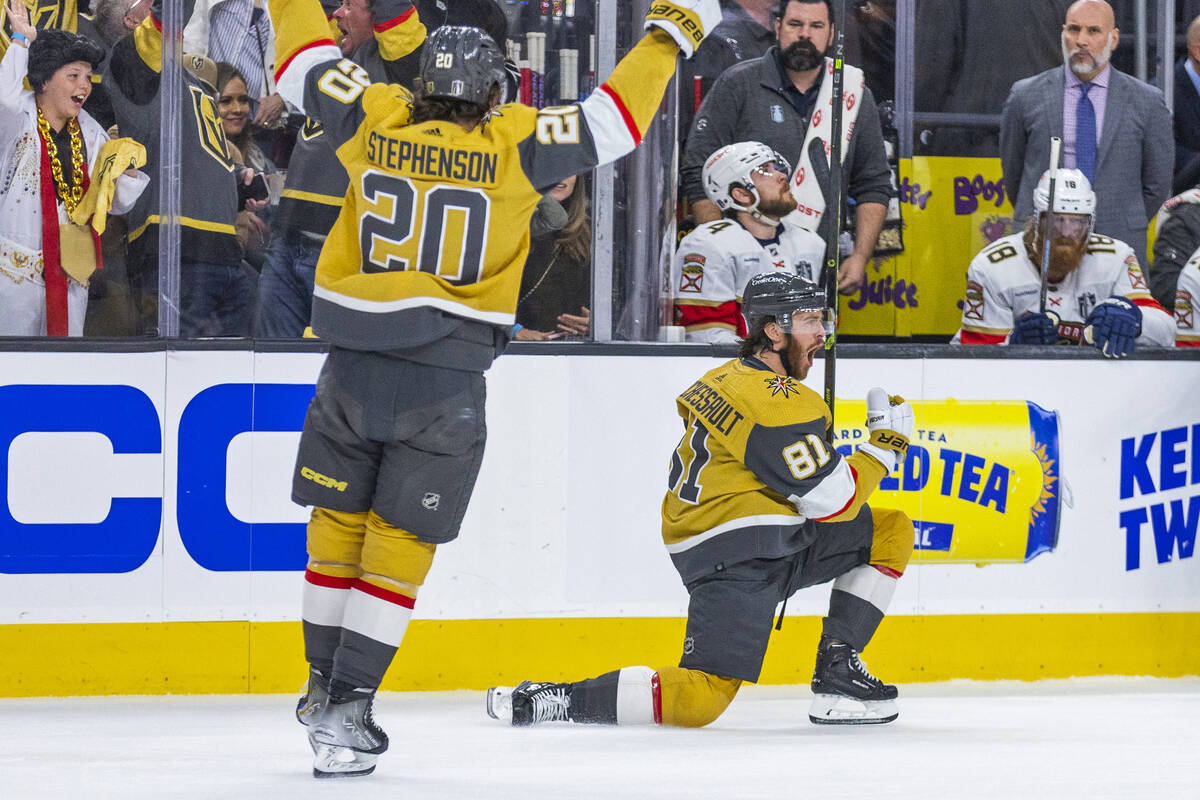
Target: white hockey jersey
x,y
1003,284
716,260
1187,293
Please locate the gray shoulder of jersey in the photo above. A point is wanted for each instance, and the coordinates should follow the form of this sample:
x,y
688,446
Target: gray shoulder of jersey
x,y
560,145
791,459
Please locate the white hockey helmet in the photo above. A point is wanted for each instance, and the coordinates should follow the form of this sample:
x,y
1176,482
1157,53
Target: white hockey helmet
x,y
730,168
1072,193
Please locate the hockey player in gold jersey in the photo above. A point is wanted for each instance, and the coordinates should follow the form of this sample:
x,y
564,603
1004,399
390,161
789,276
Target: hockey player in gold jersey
x,y
416,292
759,504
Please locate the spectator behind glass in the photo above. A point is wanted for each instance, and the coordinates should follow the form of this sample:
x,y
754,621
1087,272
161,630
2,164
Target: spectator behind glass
x,y
216,289
1115,129
233,106
556,283
45,261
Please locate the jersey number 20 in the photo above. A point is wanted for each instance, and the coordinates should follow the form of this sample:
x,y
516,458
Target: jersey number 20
x,y
453,227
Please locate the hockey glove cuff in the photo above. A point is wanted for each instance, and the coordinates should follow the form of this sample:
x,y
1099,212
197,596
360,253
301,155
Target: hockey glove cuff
x,y
890,423
1113,327
685,21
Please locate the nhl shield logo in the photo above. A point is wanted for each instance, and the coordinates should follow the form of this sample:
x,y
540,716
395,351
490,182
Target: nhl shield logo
x,y
777,114
431,500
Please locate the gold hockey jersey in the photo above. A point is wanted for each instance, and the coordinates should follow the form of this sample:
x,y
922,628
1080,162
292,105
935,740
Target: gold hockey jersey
x,y
435,225
754,469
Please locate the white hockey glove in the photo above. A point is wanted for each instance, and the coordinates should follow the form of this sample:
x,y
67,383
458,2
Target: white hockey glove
x,y
890,424
685,21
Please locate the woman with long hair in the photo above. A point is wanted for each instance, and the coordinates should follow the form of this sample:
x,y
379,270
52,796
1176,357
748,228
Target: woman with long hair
x,y
556,285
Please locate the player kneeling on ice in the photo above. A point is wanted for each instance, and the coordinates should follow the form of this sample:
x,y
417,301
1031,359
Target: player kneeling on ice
x,y
748,181
760,505
1095,290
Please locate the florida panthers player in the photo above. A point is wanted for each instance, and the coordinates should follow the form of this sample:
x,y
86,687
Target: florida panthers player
x,y
1095,292
748,181
1187,293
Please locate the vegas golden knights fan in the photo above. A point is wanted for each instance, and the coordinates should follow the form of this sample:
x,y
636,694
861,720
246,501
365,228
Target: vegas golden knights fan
x,y
416,292
759,504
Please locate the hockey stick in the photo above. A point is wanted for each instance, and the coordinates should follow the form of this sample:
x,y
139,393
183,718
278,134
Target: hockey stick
x,y
1055,149
834,201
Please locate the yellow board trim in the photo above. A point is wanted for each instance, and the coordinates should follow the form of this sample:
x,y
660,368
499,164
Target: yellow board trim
x,y
267,657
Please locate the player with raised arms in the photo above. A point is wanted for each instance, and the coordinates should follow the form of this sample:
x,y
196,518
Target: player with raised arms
x,y
759,504
416,292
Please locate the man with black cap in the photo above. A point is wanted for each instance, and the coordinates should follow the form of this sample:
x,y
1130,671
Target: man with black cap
x,y
51,147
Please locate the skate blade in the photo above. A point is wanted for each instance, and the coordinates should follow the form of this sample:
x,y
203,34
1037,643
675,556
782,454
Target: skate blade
x,y
499,703
341,762
835,709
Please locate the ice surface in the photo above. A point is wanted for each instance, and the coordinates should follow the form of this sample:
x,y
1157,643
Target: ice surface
x,y
1081,738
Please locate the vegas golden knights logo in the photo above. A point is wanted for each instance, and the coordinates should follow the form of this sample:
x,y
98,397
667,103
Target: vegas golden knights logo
x,y
212,133
42,14
311,130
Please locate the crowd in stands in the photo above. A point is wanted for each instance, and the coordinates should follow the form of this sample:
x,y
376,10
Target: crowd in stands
x,y
260,188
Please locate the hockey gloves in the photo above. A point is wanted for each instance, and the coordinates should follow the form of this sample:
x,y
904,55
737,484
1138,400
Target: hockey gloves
x,y
890,424
685,21
1034,328
1113,326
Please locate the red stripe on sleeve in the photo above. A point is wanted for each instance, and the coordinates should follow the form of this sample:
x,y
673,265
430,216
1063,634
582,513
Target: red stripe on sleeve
x,y
386,595
328,581
318,43
391,23
656,690
625,115
849,502
1147,302
1183,343
891,573
973,337
729,313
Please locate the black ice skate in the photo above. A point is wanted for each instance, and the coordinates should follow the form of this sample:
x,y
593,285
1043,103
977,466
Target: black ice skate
x,y
529,703
346,740
844,690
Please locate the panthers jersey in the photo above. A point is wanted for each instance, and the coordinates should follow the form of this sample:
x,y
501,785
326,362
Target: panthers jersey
x,y
1003,284
753,467
434,230
1187,292
714,263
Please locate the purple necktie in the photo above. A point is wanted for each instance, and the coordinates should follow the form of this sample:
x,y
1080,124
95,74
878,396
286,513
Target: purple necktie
x,y
1085,134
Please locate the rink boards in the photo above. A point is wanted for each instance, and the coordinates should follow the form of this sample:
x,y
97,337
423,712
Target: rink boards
x,y
148,543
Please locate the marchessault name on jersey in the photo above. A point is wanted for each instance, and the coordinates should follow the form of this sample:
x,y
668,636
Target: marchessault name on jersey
x,y
710,406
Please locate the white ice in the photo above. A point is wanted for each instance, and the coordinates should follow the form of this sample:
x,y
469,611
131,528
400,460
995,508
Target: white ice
x,y
1080,738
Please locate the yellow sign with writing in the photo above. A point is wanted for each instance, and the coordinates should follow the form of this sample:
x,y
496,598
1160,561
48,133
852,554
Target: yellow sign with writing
x,y
980,481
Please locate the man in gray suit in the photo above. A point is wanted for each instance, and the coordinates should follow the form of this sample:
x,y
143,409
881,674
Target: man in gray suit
x,y
1114,128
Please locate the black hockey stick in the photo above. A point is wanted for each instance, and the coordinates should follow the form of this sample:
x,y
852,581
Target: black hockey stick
x,y
833,204
1055,147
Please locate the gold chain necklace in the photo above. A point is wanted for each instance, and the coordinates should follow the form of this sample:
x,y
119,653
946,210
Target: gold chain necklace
x,y
70,196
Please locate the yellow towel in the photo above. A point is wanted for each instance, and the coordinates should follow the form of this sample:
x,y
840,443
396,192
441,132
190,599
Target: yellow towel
x,y
116,156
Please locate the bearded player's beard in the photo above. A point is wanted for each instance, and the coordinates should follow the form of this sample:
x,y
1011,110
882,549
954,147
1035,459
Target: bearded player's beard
x,y
779,207
801,56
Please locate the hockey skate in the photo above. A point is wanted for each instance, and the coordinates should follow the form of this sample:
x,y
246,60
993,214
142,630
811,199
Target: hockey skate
x,y
345,739
844,690
529,703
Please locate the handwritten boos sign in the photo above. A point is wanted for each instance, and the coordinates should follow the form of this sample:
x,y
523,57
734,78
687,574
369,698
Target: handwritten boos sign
x,y
981,479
